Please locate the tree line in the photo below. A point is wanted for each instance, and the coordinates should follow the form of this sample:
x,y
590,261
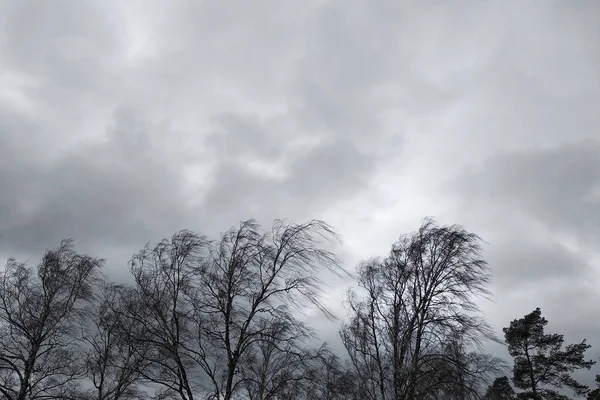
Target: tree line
x,y
218,319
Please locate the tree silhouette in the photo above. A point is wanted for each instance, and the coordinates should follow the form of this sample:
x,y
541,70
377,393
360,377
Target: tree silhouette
x,y
219,319
219,316
166,280
115,359
540,364
409,335
251,282
500,390
39,318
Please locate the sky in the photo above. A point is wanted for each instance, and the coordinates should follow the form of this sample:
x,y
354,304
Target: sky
x,y
123,122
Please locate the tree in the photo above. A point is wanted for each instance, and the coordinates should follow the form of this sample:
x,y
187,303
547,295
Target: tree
x,y
540,364
457,374
333,381
209,309
416,300
281,360
250,281
115,360
500,390
39,316
166,278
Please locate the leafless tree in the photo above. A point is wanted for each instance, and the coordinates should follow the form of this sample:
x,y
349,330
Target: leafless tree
x,y
207,307
279,360
218,320
331,380
453,373
115,360
414,301
39,316
166,278
245,282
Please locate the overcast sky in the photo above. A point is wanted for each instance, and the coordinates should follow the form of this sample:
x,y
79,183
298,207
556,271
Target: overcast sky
x,y
122,122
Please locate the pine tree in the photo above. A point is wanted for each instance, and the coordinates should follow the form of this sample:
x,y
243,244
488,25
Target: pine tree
x,y
500,390
540,364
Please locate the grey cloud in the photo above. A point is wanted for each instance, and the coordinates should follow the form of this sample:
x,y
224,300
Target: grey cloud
x,y
558,186
43,38
100,192
314,180
334,99
334,169
122,191
520,261
69,49
539,210
511,77
540,213
238,136
527,275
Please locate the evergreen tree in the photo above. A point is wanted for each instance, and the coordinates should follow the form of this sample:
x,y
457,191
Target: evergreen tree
x,y
540,363
500,390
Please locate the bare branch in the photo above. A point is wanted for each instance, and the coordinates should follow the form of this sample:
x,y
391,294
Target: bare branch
x,y
39,316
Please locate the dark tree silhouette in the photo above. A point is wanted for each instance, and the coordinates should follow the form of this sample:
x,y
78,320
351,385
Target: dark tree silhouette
x,y
500,390
281,360
218,316
219,320
167,279
250,281
115,359
456,374
540,364
39,319
416,301
333,381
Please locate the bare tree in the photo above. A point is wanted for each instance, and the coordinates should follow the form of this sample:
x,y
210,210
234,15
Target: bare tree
x,y
39,316
279,360
206,308
246,279
454,373
414,301
331,380
115,360
166,278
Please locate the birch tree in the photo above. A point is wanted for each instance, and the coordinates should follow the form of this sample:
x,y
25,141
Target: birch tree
x,y
409,306
40,312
